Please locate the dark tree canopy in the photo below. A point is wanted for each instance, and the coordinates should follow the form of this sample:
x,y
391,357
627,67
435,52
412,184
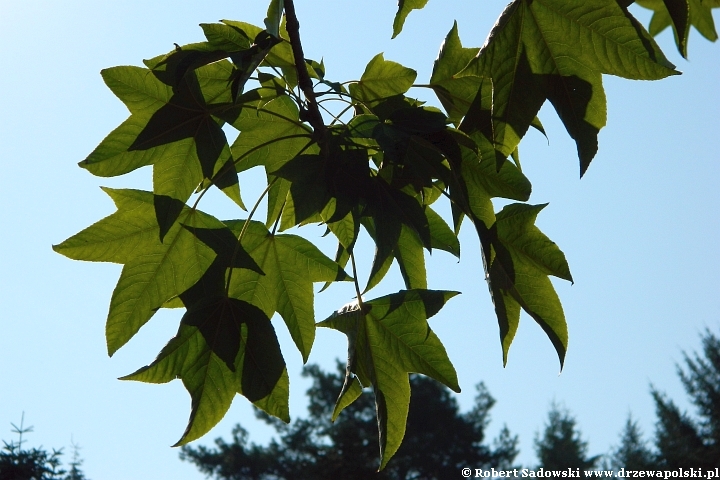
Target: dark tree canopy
x,y
633,452
18,463
439,440
681,439
561,446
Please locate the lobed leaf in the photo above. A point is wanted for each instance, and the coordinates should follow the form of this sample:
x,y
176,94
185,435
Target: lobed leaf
x,y
223,346
154,271
290,265
518,277
681,14
557,50
387,340
455,93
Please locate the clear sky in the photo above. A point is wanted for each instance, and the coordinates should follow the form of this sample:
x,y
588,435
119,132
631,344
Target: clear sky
x,y
639,230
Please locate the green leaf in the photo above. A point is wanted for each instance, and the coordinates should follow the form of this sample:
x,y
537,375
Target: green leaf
x,y
143,94
382,79
290,264
186,116
538,50
274,17
455,93
223,346
138,88
225,37
441,235
408,251
172,128
404,8
154,272
386,341
351,391
392,210
677,12
518,276
269,136
280,55
681,14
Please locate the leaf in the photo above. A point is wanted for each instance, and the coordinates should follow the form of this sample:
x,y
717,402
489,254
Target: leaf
x,y
280,55
441,235
408,251
351,391
455,93
404,8
223,346
269,136
681,14
185,116
382,79
154,272
518,277
274,17
290,264
387,340
225,37
676,12
138,88
391,210
537,51
173,129
144,95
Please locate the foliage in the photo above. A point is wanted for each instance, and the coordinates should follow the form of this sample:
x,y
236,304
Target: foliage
x,y
379,163
632,453
438,440
75,473
17,463
681,440
560,446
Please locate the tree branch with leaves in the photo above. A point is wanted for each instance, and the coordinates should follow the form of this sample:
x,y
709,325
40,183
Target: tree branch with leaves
x,y
379,166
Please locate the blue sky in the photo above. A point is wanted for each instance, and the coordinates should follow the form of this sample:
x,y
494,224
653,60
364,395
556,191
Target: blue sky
x,y
639,230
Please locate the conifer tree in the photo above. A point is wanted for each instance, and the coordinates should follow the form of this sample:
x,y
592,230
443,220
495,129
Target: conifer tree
x,y
632,453
681,440
439,440
561,445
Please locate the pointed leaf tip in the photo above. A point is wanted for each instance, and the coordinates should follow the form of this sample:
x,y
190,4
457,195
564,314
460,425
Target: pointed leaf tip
x,y
404,8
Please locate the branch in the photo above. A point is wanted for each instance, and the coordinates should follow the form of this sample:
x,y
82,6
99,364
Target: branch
x,y
293,28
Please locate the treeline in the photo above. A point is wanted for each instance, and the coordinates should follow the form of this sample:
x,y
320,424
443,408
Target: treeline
x,y
440,440
18,463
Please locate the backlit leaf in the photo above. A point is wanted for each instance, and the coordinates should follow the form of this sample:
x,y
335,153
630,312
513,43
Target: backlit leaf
x,y
154,271
523,259
539,50
382,79
290,265
404,8
224,346
388,340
